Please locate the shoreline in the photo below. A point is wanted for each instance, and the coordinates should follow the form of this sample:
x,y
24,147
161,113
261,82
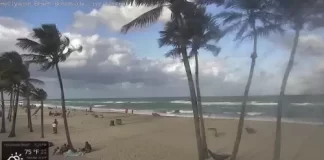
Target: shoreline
x,y
206,116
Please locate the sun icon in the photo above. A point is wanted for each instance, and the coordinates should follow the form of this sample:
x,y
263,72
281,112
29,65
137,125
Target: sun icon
x,y
15,157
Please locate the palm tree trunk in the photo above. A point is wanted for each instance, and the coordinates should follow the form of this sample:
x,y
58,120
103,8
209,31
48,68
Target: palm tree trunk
x,y
3,124
201,117
246,95
11,105
13,126
30,126
42,119
277,147
67,133
193,101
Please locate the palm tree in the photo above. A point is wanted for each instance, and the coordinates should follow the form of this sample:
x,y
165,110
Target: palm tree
x,y
14,73
2,69
11,94
40,95
251,19
25,89
192,36
48,48
3,121
180,10
204,30
297,14
172,35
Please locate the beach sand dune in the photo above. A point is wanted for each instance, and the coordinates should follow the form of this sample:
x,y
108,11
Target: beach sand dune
x,y
143,137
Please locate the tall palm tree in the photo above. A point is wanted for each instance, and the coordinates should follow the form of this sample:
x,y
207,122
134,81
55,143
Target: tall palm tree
x,y
11,92
297,14
3,67
25,90
40,95
251,19
173,35
192,36
3,121
204,30
14,73
180,10
48,48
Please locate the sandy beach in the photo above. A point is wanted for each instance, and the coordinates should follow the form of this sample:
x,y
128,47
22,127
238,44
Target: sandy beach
x,y
144,137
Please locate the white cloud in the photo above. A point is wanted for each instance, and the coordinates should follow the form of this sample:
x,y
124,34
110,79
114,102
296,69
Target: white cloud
x,y
110,67
113,17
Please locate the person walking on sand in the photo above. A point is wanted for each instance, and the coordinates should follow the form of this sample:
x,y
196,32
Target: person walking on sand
x,y
54,125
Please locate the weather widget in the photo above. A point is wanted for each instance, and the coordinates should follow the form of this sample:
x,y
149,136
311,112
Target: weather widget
x,y
25,150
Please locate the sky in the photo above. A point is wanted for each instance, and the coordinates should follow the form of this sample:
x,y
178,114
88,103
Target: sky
x,y
132,65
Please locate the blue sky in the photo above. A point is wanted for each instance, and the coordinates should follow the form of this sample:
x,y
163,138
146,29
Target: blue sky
x,y
233,60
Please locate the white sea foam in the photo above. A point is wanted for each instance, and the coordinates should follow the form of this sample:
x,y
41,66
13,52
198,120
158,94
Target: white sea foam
x,y
108,102
181,102
99,105
141,102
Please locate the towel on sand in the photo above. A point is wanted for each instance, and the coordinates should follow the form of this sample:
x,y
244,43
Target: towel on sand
x,y
69,153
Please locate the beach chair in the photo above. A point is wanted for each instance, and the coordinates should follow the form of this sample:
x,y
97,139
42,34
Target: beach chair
x,y
250,130
118,121
214,130
218,156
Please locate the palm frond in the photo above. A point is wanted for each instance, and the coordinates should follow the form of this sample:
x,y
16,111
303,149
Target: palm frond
x,y
233,27
229,16
264,31
141,2
242,29
29,45
47,66
36,81
212,48
208,2
38,94
174,53
145,19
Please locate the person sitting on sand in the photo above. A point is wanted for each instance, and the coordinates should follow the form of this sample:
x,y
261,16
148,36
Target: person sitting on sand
x,y
64,148
56,150
87,148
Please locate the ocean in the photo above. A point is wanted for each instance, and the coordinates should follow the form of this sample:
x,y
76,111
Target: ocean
x,y
297,108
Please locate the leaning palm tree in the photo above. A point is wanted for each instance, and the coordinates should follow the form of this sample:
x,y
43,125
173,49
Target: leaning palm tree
x,y
40,95
251,19
298,14
48,48
14,73
204,30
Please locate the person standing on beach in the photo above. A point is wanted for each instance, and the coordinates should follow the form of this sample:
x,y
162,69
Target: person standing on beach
x,y
54,125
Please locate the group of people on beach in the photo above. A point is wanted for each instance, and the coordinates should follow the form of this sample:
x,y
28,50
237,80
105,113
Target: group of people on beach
x,y
65,148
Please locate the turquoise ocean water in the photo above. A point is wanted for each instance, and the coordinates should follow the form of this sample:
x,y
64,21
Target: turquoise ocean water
x,y
301,108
